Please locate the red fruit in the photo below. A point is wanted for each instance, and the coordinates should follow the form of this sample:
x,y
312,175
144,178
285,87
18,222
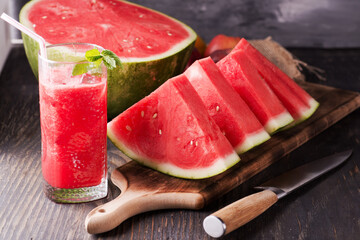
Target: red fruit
x,y
198,51
220,42
200,45
195,55
170,130
220,54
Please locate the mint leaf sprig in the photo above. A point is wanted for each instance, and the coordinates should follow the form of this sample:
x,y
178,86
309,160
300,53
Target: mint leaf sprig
x,y
95,58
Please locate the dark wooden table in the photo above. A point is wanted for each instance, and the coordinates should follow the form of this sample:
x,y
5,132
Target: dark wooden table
x,y
326,209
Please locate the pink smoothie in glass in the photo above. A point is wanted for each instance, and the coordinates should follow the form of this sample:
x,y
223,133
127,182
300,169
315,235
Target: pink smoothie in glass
x,y
73,122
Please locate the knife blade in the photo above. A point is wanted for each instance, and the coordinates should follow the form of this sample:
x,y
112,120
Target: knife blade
x,y
244,210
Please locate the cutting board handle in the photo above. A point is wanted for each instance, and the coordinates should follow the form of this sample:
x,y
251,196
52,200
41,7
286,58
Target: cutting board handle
x,y
133,200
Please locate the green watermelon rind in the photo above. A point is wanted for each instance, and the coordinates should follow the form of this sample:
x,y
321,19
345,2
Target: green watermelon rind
x,y
313,106
138,77
252,140
220,165
122,95
278,122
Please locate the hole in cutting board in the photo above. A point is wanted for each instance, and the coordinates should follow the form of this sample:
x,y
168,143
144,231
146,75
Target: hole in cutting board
x,y
101,210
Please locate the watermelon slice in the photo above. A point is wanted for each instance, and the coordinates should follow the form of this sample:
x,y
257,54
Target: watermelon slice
x,y
235,119
152,46
297,101
171,131
243,76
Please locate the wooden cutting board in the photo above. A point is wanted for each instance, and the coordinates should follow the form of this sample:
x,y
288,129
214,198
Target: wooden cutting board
x,y
144,189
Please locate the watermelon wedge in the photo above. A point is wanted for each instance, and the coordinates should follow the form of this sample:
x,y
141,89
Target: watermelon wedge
x,y
152,46
235,119
171,131
297,101
243,76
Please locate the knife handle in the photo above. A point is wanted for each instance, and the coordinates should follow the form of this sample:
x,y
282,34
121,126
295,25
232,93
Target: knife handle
x,y
238,213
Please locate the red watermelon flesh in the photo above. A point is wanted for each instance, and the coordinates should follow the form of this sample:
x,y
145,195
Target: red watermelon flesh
x,y
297,101
235,119
243,76
127,29
152,46
171,131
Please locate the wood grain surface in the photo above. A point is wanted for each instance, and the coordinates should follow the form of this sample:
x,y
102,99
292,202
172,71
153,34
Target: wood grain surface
x,y
325,209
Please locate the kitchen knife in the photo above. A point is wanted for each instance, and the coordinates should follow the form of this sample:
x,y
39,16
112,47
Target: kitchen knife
x,y
244,210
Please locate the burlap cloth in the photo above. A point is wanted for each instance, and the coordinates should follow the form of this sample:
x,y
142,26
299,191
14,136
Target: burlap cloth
x,y
284,60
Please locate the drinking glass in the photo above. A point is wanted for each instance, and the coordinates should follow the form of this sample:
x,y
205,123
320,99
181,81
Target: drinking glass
x,y
73,120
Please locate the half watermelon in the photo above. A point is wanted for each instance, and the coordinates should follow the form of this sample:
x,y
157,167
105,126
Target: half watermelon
x,y
235,119
152,46
296,100
171,131
245,79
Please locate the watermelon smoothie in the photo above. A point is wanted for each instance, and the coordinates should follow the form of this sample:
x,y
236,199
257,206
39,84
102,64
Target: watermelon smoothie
x,y
73,120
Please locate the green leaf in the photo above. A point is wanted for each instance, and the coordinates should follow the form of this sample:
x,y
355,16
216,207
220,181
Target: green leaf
x,y
109,62
98,62
107,52
93,55
95,58
113,56
118,62
80,68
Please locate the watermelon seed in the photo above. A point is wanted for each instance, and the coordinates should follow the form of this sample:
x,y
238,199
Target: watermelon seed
x,y
142,113
141,15
128,128
63,18
169,33
34,25
223,133
124,40
129,50
196,143
160,131
178,139
149,47
44,17
137,39
155,115
191,142
217,108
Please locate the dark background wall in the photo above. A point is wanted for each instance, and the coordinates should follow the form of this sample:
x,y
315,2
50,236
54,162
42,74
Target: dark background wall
x,y
293,23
